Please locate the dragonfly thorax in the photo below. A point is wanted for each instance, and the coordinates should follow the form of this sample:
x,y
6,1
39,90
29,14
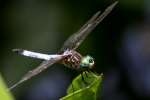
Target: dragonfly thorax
x,y
78,62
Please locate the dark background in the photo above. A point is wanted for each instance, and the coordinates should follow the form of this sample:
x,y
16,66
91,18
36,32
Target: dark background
x,y
120,46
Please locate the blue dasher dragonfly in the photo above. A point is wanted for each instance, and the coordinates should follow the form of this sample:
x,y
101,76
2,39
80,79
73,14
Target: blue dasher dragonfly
x,y
67,54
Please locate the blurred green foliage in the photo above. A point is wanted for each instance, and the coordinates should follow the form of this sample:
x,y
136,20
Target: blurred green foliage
x,y
4,93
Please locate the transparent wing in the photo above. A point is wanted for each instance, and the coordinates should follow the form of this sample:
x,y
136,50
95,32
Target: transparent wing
x,y
38,70
77,38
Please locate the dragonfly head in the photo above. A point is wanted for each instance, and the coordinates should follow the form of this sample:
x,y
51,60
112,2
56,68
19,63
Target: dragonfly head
x,y
87,62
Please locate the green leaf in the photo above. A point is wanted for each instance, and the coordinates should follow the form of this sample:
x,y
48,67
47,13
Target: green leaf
x,y
4,93
84,90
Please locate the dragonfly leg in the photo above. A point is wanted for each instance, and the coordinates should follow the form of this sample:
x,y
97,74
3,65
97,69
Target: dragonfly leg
x,y
91,71
86,74
88,70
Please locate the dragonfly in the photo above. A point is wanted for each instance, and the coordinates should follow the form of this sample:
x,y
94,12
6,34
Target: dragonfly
x,y
67,55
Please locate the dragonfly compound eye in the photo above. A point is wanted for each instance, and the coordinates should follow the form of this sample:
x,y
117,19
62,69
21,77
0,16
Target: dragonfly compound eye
x,y
87,62
91,60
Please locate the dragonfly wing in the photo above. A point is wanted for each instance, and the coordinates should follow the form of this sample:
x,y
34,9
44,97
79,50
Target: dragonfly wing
x,y
77,38
38,70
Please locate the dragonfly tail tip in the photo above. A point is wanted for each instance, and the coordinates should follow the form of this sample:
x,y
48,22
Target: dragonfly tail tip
x,y
19,51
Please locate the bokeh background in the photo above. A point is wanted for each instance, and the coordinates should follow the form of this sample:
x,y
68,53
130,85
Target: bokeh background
x,y
120,46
